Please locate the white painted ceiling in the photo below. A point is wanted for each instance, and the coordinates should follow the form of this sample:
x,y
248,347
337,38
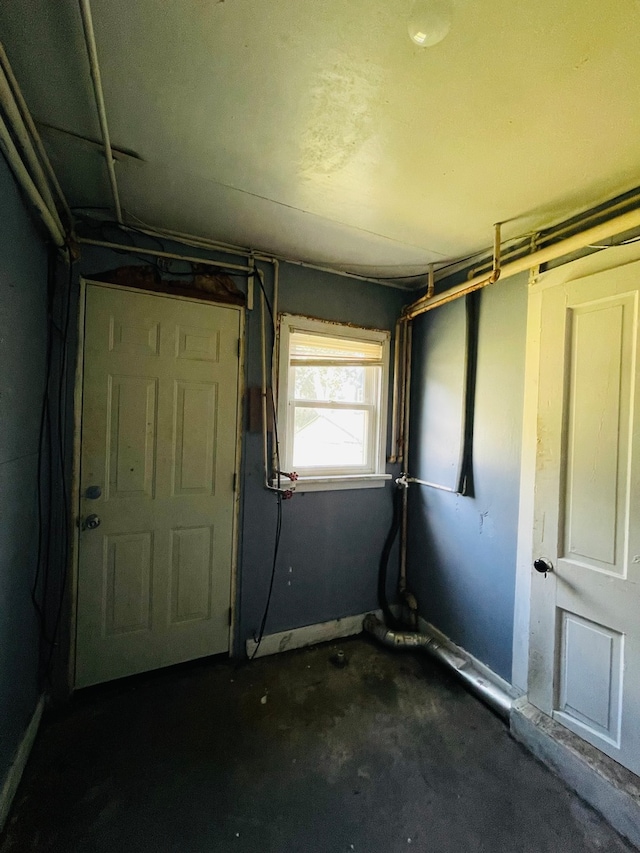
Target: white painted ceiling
x,y
317,130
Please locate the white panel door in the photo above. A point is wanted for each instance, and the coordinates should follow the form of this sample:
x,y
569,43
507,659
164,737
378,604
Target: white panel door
x,y
159,428
584,666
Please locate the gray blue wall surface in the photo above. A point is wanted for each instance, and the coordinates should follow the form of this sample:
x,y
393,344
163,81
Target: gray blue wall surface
x,y
462,550
23,336
331,541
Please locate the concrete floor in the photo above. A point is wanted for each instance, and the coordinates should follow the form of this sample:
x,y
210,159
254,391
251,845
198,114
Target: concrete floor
x,y
293,755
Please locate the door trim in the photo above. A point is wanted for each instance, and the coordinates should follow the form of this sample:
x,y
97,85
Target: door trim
x,y
73,567
606,259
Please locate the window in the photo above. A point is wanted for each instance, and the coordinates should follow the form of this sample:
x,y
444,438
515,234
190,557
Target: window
x,y
333,403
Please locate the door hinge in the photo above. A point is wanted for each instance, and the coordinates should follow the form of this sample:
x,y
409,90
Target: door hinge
x,y
230,616
234,485
239,347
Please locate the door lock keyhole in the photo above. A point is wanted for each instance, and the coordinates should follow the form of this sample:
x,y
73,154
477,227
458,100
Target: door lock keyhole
x,y
543,566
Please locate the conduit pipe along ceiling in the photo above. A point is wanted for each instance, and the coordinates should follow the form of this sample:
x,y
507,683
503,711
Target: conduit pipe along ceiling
x,y
618,225
96,77
320,165
27,158
583,239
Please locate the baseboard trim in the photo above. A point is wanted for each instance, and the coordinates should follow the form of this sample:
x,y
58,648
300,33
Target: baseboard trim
x,y
608,787
14,774
309,635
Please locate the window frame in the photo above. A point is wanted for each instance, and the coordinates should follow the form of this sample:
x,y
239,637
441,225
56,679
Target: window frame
x,y
340,477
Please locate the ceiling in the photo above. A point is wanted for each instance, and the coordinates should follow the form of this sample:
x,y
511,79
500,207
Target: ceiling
x,y
316,129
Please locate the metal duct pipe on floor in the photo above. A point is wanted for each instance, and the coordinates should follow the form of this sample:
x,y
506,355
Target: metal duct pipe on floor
x,y
497,699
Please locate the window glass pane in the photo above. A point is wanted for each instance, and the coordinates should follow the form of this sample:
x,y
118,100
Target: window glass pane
x,y
329,438
339,384
307,345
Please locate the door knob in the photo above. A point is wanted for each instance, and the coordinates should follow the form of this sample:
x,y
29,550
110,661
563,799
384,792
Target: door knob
x,y
91,522
543,566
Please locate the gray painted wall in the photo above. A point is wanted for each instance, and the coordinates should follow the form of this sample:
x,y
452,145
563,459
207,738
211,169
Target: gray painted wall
x,y
331,541
23,299
462,550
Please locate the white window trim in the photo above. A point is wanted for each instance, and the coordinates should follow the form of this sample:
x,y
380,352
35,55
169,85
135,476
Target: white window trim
x,y
289,323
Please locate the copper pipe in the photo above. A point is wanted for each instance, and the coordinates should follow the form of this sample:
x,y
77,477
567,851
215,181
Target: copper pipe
x,y
625,222
495,272
402,584
431,286
402,386
397,344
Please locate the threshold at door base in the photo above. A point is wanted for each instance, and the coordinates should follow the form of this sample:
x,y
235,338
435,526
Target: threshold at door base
x,y
607,786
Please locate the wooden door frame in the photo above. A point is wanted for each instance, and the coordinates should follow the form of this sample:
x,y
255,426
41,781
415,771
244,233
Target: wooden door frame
x,y
607,259
73,566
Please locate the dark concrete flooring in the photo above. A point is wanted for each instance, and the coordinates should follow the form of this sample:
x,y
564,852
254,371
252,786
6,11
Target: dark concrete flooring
x,y
388,754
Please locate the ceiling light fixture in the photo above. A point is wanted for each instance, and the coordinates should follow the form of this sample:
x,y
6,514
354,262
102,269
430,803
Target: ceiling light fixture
x,y
429,22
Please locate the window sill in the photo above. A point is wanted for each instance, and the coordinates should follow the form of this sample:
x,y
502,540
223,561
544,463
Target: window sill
x,y
350,481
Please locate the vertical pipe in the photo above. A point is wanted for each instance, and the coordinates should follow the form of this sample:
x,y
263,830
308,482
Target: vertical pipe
x,y
263,387
402,585
407,394
431,286
402,390
252,274
495,274
92,50
394,397
402,582
274,364
276,287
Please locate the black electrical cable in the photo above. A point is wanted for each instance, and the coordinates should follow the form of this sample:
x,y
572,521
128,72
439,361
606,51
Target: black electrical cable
x,y
44,438
259,637
100,226
61,432
48,553
424,274
49,556
383,602
472,306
